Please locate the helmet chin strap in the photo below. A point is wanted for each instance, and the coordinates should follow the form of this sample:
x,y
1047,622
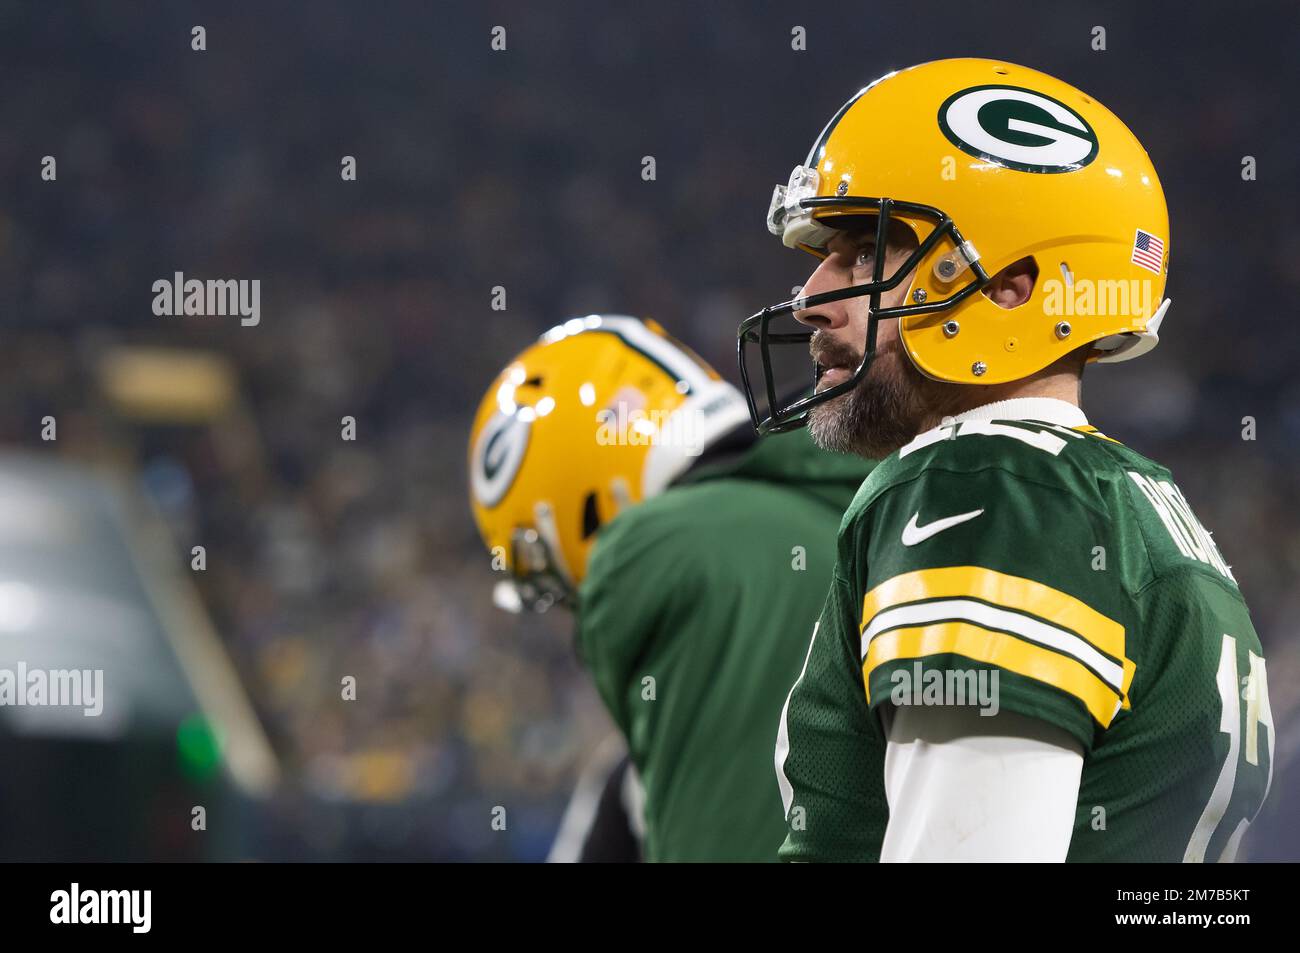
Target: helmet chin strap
x,y
544,520
1125,347
505,596
540,579
618,489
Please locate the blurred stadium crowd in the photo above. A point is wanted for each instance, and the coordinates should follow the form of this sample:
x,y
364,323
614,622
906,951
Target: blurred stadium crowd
x,y
522,169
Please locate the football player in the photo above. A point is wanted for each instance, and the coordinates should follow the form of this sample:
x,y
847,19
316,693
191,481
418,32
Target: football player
x,y
1032,649
613,473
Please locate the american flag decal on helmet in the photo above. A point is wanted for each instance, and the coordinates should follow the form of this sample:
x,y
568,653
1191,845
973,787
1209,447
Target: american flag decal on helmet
x,y
1148,251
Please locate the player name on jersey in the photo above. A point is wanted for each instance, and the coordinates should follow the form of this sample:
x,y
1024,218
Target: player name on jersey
x,y
1192,539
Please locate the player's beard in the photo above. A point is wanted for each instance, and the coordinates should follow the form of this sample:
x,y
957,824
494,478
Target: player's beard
x,y
891,404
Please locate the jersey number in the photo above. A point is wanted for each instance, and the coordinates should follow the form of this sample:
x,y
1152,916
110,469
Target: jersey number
x,y
1258,713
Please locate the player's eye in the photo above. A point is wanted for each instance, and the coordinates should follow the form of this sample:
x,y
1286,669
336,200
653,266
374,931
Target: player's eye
x,y
866,256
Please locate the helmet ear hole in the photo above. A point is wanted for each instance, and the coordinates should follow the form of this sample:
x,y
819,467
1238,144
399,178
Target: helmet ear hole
x,y
590,516
1013,285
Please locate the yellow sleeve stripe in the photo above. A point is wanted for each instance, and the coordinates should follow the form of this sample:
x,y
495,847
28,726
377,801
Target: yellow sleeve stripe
x,y
998,649
1026,627
1089,429
999,589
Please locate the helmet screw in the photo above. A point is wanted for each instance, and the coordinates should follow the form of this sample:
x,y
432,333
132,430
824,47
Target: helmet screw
x,y
1063,330
918,295
842,188
950,328
978,368
946,268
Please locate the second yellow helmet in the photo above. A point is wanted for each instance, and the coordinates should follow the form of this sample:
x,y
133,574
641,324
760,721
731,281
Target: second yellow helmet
x,y
601,413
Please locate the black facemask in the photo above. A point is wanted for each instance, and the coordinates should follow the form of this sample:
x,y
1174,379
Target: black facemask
x,y
756,329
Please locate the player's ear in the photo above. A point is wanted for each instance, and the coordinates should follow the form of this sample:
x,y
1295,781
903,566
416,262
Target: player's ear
x,y
1012,286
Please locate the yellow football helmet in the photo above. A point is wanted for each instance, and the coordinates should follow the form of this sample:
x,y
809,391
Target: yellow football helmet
x,y
603,412
987,163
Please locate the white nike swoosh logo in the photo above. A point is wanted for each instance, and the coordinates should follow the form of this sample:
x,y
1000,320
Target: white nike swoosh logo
x,y
913,534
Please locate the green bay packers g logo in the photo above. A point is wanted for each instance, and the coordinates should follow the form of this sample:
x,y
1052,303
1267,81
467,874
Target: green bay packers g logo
x,y
1018,128
497,457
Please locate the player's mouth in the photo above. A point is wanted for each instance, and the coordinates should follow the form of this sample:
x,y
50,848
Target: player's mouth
x,y
830,376
834,362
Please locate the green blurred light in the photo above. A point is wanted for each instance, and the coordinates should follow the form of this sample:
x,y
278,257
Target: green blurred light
x,y
199,748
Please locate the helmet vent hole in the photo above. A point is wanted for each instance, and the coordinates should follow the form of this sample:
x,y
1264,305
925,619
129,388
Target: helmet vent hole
x,y
590,518
1001,70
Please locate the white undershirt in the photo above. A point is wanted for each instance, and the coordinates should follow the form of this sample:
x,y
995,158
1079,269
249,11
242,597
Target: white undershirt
x,y
966,787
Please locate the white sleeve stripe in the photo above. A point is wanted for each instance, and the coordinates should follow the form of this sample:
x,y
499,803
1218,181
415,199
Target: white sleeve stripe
x,y
1026,627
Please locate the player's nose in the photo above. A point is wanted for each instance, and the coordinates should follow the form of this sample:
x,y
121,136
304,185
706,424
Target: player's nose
x,y
829,316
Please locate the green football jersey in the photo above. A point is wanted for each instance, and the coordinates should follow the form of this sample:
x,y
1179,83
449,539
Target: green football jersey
x,y
1069,573
693,620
